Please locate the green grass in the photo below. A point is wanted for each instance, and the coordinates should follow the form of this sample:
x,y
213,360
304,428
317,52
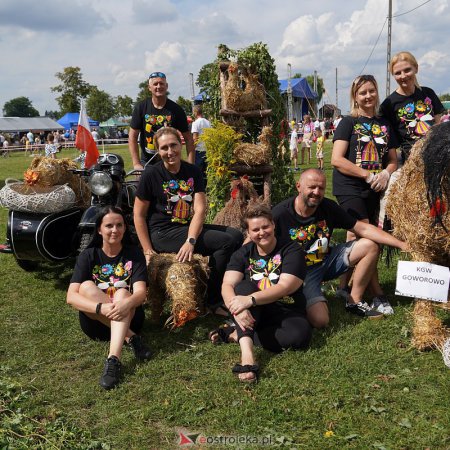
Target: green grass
x,y
361,380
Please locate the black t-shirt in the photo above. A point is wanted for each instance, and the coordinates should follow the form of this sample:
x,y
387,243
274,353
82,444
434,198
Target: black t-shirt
x,y
170,195
110,274
313,233
411,115
369,142
265,270
148,120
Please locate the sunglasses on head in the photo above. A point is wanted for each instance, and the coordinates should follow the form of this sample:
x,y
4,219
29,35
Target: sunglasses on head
x,y
157,75
364,78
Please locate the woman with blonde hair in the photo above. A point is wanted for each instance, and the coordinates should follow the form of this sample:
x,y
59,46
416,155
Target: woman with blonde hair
x,y
412,109
364,158
308,133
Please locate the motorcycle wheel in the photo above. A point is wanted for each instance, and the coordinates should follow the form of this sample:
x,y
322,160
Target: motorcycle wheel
x,y
84,242
27,265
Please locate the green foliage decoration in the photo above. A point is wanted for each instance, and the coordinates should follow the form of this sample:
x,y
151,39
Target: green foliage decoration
x,y
219,142
256,58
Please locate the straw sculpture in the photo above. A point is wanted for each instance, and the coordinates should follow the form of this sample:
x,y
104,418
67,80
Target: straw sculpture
x,y
418,208
255,154
51,172
243,195
182,284
243,91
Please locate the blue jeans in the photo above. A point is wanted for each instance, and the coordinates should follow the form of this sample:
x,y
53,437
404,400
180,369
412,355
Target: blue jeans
x,y
334,265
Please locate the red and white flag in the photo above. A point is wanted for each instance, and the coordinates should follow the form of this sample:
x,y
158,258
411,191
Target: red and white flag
x,y
84,140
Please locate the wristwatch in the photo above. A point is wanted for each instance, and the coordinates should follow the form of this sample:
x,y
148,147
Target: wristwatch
x,y
191,240
253,300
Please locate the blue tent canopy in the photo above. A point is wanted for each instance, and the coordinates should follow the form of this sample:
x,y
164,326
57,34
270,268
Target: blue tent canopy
x,y
70,120
201,97
300,88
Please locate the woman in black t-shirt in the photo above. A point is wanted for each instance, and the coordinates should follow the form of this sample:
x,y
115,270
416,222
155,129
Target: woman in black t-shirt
x,y
258,275
364,157
170,210
108,287
412,109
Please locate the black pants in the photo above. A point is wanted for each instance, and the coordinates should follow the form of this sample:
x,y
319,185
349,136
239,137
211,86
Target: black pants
x,y
99,331
216,241
277,326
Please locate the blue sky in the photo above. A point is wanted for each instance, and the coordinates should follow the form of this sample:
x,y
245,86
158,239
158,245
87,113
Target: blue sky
x,y
117,43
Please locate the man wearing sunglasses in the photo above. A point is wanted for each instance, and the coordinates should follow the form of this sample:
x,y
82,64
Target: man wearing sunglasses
x,y
152,114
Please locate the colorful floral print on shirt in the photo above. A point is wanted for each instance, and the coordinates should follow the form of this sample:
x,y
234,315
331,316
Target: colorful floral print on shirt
x,y
180,195
109,277
372,145
265,273
152,124
417,117
314,240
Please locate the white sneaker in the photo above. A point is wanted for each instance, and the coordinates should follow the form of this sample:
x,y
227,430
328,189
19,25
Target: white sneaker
x,y
381,304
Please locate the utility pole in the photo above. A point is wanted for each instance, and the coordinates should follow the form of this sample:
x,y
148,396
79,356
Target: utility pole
x,y
191,83
315,90
337,106
289,95
388,74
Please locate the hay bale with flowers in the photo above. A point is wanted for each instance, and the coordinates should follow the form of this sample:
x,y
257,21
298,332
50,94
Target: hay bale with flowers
x,y
418,208
182,284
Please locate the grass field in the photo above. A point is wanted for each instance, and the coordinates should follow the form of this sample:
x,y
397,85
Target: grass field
x,y
360,386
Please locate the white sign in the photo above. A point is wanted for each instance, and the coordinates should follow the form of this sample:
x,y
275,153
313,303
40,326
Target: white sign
x,y
422,280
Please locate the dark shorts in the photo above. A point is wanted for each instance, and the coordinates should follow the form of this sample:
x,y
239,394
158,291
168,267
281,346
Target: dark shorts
x,y
361,208
99,331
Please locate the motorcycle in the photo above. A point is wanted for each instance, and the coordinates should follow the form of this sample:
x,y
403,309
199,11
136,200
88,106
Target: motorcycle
x,y
55,237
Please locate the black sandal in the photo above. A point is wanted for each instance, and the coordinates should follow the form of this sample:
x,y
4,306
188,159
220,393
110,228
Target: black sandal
x,y
247,368
223,333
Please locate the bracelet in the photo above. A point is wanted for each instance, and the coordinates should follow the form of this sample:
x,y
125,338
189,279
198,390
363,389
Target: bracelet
x,y
253,300
98,308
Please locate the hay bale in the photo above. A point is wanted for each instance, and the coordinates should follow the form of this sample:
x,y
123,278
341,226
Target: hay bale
x,y
183,284
408,208
428,330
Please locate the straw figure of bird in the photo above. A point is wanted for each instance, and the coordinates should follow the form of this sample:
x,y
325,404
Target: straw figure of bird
x,y
243,91
418,206
181,284
255,154
243,194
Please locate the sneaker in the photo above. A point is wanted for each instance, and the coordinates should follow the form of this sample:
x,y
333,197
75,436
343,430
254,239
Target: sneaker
x,y
343,294
362,309
141,351
111,373
381,304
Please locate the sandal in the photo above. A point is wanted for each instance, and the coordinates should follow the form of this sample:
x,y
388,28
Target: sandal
x,y
247,368
223,334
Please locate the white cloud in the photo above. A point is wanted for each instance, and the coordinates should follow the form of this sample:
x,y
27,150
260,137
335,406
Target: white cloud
x,y
153,11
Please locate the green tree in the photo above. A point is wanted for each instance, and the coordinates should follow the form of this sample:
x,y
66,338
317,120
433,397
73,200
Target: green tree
x,y
19,107
72,89
208,81
143,91
186,104
444,97
55,115
123,105
99,105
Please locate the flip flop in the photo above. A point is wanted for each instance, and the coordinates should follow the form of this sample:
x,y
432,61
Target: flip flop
x,y
247,368
223,333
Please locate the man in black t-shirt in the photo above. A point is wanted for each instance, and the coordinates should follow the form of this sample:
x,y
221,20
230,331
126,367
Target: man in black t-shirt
x,y
309,219
152,114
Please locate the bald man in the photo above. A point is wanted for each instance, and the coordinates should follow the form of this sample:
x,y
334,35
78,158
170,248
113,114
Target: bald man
x,y
309,219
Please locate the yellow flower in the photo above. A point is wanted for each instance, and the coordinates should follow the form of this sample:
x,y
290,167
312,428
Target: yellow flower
x,y
328,433
211,205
